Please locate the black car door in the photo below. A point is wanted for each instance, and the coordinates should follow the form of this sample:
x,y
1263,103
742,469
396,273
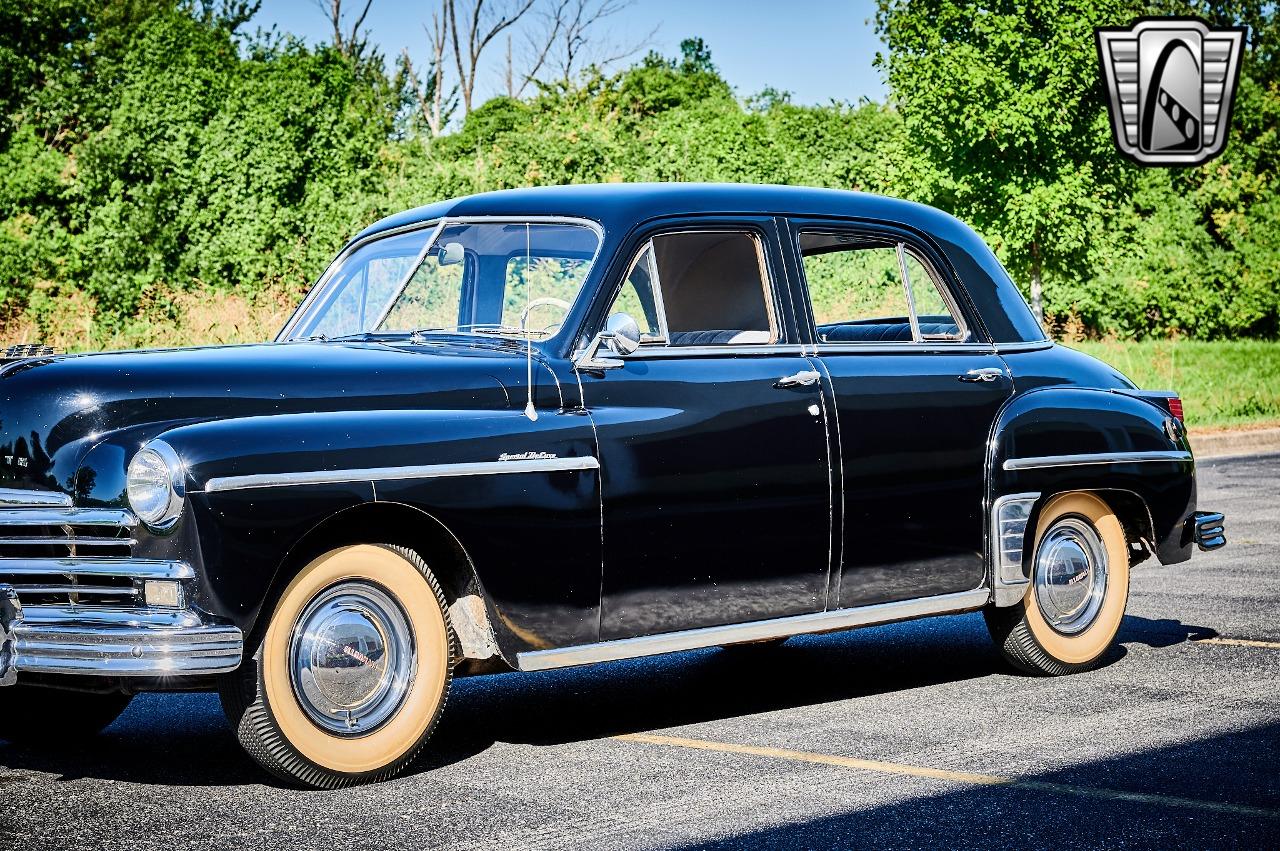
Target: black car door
x,y
712,440
916,394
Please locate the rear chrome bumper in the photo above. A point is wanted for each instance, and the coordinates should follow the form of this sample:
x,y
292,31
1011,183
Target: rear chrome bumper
x,y
111,642
1208,530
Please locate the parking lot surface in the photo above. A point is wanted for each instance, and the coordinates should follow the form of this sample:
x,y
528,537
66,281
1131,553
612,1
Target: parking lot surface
x,y
914,735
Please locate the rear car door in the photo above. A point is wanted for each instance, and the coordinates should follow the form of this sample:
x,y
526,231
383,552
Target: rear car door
x,y
916,392
713,448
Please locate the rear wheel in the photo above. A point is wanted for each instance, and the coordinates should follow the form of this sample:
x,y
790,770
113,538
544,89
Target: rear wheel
x,y
1078,591
353,671
34,715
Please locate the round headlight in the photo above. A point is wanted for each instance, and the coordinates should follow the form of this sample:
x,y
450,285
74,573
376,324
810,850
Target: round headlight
x,y
155,485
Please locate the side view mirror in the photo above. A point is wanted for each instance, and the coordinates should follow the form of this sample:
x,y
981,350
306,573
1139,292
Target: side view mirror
x,y
625,331
621,335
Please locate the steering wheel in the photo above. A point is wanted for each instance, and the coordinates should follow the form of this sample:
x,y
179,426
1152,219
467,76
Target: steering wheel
x,y
542,302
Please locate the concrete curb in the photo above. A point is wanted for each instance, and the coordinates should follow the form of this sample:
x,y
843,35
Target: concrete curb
x,y
1221,444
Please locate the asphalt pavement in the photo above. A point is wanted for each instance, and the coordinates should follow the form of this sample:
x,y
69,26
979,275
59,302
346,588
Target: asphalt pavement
x,y
914,735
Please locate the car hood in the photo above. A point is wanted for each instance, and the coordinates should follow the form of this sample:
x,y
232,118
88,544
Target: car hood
x,y
54,409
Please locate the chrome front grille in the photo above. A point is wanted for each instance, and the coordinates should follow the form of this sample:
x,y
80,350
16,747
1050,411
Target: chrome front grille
x,y
54,554
36,532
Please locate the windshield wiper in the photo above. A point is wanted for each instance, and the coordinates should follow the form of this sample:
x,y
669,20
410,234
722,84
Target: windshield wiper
x,y
353,338
477,328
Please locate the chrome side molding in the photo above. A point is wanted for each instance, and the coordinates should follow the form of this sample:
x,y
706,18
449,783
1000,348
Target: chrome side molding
x,y
1094,458
690,639
386,474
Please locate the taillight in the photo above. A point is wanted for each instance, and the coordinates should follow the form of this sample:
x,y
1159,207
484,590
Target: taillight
x,y
1175,408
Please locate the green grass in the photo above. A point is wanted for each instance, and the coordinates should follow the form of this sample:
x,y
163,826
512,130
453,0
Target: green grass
x,y
1221,383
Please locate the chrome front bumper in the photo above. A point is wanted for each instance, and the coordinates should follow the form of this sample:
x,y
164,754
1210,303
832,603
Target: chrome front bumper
x,y
111,642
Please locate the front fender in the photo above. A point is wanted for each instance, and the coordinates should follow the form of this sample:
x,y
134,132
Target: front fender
x,y
1054,424
258,485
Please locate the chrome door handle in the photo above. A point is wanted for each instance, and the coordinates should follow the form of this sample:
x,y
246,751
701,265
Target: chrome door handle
x,y
988,373
803,378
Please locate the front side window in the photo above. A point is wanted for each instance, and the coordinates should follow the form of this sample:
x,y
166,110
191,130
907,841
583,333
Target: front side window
x,y
515,279
700,289
869,290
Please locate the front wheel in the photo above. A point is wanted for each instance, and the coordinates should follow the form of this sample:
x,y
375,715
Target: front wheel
x,y
35,715
1077,594
352,673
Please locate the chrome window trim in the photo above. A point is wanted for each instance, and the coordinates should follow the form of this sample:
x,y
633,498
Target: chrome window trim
x,y
914,320
721,350
902,248
322,285
381,474
771,292
17,498
926,345
413,270
1030,346
1038,462
659,307
691,639
963,333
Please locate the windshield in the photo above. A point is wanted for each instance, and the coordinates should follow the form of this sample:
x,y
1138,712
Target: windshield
x,y
514,279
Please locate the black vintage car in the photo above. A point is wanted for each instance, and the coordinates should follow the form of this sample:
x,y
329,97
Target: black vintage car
x,y
550,427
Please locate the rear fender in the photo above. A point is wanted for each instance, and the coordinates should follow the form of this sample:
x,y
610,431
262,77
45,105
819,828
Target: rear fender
x,y
1059,439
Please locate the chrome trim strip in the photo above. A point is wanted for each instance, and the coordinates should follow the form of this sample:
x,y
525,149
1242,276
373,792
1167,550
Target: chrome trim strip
x,y
65,541
76,588
1094,458
648,351
690,639
928,344
15,498
428,471
1014,348
67,517
130,568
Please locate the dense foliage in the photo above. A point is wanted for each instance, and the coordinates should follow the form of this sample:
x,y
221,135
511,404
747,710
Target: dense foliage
x,y
167,177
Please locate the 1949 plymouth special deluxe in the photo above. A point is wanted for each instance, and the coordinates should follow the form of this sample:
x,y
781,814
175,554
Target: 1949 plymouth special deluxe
x,y
550,427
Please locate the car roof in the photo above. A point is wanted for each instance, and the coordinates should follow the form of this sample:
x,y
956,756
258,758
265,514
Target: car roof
x,y
623,204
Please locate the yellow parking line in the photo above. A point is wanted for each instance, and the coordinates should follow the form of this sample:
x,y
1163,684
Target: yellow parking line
x,y
1239,642
970,778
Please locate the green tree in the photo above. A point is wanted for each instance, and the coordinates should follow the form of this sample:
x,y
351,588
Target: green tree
x,y
1004,101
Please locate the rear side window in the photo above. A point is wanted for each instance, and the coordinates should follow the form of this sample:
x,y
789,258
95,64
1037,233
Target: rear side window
x,y
868,290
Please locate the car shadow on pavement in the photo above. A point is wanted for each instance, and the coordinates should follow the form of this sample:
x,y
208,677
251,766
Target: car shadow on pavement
x,y
184,739
1165,632
641,695
1221,791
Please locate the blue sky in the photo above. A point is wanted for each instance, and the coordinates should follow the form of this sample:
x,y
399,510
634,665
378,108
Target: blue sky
x,y
817,50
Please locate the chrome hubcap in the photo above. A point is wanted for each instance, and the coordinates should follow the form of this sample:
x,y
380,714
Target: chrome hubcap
x,y
351,658
1070,575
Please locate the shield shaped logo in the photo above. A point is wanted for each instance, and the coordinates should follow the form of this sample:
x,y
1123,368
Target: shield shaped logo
x,y
1170,84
